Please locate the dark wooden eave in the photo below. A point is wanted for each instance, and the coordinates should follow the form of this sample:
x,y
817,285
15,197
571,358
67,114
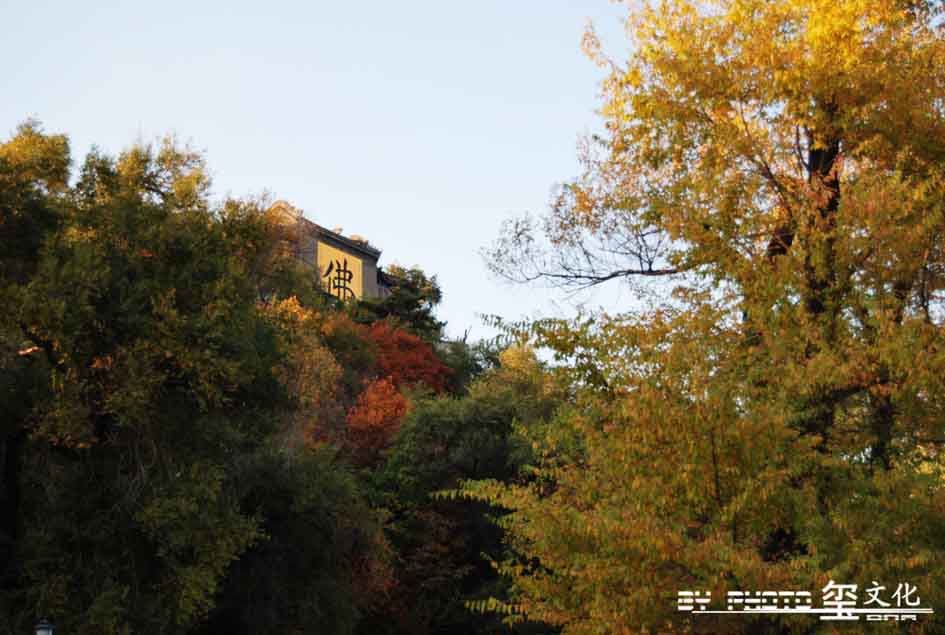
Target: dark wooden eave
x,y
342,241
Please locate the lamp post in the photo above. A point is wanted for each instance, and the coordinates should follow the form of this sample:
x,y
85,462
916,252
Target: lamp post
x,y
45,627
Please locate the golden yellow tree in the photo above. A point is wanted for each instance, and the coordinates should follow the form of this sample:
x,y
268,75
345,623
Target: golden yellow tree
x,y
775,422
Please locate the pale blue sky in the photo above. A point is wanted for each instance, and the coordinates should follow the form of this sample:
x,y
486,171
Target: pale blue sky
x,y
420,125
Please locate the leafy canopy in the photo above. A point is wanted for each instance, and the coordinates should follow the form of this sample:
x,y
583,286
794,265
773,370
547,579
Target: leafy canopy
x,y
154,392
775,421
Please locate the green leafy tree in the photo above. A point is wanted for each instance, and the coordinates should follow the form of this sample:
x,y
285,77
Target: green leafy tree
x,y
410,303
323,562
441,542
144,369
34,172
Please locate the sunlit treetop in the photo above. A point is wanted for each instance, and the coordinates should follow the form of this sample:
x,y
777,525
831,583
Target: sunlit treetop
x,y
726,129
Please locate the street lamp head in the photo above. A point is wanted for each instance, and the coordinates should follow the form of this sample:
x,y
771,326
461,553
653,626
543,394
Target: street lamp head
x,y
45,627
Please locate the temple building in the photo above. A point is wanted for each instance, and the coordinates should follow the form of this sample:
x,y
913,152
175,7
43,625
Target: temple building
x,y
347,265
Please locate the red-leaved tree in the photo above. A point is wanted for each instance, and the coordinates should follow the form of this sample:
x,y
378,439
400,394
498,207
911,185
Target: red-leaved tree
x,y
406,359
374,420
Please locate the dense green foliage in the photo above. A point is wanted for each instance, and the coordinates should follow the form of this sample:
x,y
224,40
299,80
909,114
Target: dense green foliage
x,y
443,442
195,440
410,303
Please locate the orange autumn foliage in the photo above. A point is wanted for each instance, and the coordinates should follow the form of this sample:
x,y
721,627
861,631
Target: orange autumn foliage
x,y
374,420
